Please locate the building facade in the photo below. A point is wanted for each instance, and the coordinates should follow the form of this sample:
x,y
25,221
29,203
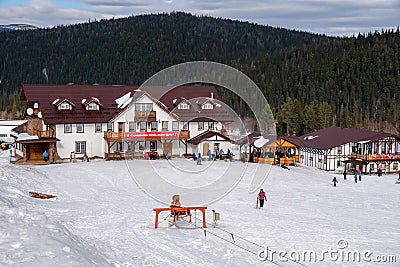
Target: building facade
x,y
118,121
327,149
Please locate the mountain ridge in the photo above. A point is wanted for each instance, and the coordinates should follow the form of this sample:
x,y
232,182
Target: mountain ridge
x,y
356,78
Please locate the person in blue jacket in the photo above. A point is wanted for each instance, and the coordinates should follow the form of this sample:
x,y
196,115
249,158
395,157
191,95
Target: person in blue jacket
x,y
199,159
45,155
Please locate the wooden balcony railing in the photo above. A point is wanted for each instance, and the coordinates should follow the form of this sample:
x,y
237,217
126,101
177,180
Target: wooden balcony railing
x,y
48,133
113,137
147,116
184,134
358,156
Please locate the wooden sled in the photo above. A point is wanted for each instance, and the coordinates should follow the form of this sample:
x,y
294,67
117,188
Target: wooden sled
x,y
41,195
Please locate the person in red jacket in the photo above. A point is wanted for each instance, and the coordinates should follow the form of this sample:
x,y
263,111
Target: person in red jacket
x,y
261,198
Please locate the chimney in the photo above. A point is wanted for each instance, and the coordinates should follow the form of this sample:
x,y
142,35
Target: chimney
x,y
212,95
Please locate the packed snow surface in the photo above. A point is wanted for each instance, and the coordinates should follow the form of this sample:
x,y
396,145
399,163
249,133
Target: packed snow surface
x,y
101,218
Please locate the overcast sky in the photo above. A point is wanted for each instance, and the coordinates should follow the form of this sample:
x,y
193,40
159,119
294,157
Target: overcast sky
x,y
331,17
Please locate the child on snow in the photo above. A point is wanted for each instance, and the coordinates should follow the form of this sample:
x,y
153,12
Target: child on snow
x,y
261,197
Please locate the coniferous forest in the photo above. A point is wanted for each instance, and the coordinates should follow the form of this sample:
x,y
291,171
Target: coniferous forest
x,y
311,81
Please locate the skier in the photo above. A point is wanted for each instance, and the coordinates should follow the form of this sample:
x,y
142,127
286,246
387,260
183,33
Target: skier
x,y
334,181
209,155
199,159
355,178
359,175
261,197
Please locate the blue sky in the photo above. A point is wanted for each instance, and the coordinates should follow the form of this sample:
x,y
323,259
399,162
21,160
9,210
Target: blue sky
x,y
330,17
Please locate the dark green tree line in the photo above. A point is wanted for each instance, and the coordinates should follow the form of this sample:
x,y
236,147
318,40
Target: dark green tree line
x,y
357,78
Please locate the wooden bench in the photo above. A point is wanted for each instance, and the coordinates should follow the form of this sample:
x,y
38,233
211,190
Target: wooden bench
x,y
176,211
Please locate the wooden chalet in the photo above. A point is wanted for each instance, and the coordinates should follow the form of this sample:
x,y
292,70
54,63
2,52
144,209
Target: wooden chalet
x,y
329,149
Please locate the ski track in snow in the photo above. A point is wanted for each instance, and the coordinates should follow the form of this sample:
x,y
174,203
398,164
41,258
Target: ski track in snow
x,y
101,218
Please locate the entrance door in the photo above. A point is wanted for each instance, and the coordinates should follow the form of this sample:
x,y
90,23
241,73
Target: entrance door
x,y
167,148
35,152
205,149
120,129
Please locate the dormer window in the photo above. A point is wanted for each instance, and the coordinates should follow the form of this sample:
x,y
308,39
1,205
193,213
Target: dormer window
x,y
92,106
36,105
65,106
183,105
207,105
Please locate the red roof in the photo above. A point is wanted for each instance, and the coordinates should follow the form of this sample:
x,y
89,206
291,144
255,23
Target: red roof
x,y
48,96
335,136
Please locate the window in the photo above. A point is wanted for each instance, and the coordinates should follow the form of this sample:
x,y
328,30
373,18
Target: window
x,y
67,128
153,126
175,126
143,126
65,106
110,127
79,128
207,105
142,145
211,125
97,127
80,147
131,126
395,166
339,150
200,125
183,105
143,107
185,126
165,125
311,158
3,135
153,145
36,105
92,106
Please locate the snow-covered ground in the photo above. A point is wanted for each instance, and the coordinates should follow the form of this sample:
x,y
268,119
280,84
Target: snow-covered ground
x,y
102,218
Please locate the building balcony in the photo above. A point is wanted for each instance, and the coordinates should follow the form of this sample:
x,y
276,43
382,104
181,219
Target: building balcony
x,y
113,137
44,134
358,156
147,116
184,134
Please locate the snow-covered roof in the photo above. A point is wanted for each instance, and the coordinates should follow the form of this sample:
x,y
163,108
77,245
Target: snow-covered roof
x,y
124,100
25,136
